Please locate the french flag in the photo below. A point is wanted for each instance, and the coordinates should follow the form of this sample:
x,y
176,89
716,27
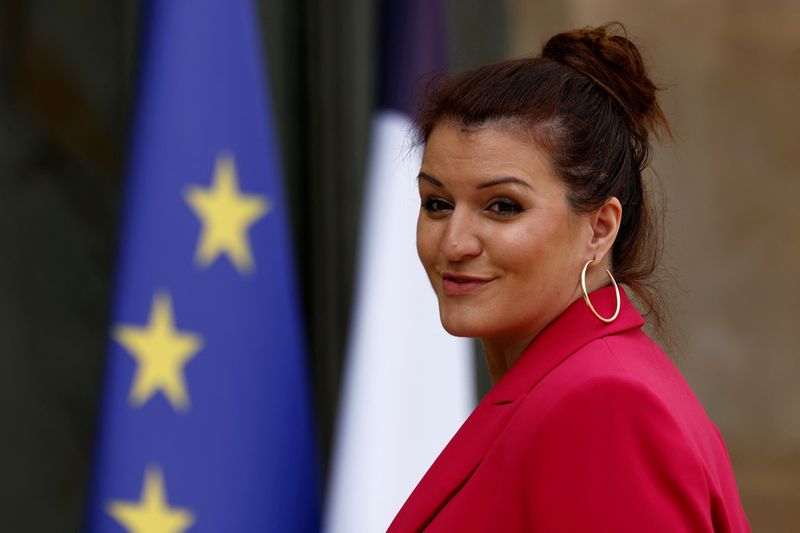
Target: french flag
x,y
407,384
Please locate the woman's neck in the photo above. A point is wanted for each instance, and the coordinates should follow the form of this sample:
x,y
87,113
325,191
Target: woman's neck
x,y
502,352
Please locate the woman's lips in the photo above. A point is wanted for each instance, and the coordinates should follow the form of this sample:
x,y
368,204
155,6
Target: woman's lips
x,y
455,284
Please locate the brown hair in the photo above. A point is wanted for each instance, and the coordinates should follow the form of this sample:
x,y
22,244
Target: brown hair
x,y
588,101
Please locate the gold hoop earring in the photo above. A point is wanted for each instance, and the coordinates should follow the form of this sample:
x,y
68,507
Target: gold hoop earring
x,y
586,294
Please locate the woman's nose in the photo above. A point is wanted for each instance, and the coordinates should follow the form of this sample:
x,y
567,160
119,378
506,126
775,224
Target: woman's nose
x,y
461,238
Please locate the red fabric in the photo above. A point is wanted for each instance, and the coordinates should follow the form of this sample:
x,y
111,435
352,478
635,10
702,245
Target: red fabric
x,y
592,430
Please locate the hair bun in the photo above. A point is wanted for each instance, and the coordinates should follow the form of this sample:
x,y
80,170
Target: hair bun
x,y
606,56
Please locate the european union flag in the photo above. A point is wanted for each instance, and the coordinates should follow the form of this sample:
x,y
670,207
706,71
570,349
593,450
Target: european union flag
x,y
206,419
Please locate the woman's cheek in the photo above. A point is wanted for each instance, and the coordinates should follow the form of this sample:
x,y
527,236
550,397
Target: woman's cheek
x,y
427,246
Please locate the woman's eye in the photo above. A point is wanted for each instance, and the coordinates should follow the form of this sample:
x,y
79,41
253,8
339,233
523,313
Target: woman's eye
x,y
436,205
504,207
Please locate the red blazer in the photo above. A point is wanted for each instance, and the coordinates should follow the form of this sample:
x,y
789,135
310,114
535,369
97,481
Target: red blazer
x,y
593,429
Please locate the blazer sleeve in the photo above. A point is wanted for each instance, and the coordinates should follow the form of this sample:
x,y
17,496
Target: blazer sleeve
x,y
609,456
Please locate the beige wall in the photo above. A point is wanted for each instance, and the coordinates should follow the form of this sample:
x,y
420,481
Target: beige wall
x,y
732,180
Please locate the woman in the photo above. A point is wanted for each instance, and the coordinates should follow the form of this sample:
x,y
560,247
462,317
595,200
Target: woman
x,y
533,209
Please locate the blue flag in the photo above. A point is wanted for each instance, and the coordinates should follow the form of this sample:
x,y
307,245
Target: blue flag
x,y
206,420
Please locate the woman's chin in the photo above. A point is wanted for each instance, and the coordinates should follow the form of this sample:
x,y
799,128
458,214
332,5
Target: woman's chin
x,y
462,327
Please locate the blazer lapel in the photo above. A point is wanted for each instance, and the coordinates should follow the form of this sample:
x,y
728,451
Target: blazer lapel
x,y
454,465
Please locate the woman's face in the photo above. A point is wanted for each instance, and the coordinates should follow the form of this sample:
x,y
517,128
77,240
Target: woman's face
x,y
501,246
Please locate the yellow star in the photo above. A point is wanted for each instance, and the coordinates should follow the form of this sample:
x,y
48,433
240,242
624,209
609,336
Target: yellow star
x,y
151,514
160,352
226,214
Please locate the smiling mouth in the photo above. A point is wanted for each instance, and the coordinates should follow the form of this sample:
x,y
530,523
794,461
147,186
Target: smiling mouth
x,y
457,285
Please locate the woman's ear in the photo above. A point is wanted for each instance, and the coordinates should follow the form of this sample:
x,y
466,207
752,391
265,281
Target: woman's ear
x,y
605,225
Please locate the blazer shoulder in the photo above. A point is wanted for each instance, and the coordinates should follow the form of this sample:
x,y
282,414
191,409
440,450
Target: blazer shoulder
x,y
613,391
594,395
613,444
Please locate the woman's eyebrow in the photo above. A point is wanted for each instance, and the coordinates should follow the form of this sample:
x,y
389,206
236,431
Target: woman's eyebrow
x,y
491,183
501,181
431,179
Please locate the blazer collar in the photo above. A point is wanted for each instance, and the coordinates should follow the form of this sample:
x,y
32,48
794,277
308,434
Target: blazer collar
x,y
569,332
574,328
